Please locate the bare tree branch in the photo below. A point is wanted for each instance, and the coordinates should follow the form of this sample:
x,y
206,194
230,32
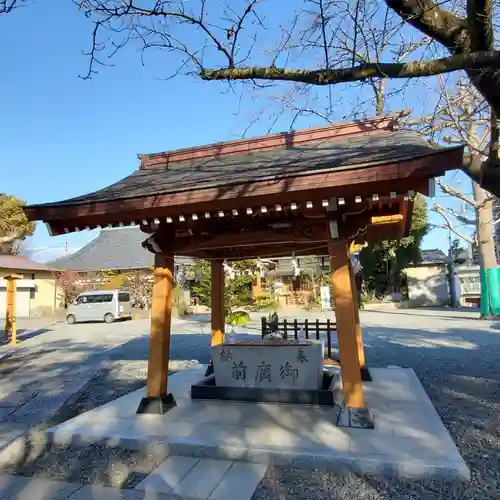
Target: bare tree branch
x,y
456,193
466,221
476,60
7,6
449,225
331,45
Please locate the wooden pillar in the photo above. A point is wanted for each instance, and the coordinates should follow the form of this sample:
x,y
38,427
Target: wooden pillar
x,y
217,303
346,325
10,312
257,287
157,400
357,324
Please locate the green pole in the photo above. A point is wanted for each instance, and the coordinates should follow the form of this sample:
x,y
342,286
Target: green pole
x,y
490,292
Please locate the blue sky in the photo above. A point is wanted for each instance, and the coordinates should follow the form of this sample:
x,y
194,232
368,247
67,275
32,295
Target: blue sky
x,y
63,136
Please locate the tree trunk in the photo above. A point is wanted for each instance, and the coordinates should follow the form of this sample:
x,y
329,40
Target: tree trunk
x,y
380,98
486,253
484,228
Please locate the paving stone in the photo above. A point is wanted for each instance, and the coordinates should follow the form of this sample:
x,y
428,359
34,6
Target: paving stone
x,y
94,492
26,488
203,478
239,482
16,397
7,410
10,430
167,477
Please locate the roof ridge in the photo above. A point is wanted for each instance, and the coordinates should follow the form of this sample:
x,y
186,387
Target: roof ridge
x,y
80,250
270,141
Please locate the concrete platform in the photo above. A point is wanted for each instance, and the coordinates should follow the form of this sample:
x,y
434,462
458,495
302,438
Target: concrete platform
x,y
409,439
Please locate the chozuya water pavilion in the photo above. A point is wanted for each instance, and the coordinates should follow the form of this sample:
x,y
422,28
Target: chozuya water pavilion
x,y
312,191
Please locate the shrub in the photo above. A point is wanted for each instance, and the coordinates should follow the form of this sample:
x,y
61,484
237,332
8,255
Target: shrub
x,y
265,303
182,308
237,318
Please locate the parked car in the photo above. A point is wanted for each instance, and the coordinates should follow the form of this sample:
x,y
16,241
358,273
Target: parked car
x,y
102,305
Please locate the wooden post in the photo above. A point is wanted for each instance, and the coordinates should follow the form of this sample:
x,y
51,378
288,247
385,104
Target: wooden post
x,y
157,400
11,308
357,324
346,325
218,313
257,287
10,312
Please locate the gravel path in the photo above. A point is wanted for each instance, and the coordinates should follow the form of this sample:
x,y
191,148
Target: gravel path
x,y
117,379
460,370
456,358
100,464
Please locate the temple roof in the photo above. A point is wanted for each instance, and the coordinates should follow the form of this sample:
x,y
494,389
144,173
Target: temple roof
x,y
434,256
364,161
113,249
345,153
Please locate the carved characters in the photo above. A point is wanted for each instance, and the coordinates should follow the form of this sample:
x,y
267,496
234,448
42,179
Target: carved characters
x,y
239,371
301,357
263,372
287,370
226,355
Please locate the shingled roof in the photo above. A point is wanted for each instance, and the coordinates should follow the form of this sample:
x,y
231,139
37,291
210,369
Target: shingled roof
x,y
113,249
434,256
344,153
346,161
21,263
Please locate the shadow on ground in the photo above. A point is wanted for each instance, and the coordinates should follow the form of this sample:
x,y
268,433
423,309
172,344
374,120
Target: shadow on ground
x,y
458,368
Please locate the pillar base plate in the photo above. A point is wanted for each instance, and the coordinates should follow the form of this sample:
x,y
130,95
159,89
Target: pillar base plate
x,y
156,405
357,418
365,372
210,370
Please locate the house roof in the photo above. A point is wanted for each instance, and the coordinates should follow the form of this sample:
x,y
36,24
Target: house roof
x,y
434,256
113,249
20,263
326,155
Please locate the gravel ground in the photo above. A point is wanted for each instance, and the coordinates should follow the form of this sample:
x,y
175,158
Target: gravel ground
x,y
116,380
464,385
95,464
460,372
98,464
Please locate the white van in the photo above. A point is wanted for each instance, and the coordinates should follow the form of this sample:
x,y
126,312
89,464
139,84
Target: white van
x,y
102,305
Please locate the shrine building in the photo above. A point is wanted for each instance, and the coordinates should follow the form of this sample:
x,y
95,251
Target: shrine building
x,y
306,192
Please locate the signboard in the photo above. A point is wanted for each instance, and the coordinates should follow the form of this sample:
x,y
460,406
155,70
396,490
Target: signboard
x,y
264,365
325,297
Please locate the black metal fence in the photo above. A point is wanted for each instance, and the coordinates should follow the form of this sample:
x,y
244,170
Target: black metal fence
x,y
310,329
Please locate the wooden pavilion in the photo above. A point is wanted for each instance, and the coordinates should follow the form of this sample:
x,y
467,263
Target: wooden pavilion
x,y
306,192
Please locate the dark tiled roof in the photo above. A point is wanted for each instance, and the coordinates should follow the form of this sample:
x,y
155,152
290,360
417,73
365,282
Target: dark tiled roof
x,y
434,256
113,249
20,263
334,154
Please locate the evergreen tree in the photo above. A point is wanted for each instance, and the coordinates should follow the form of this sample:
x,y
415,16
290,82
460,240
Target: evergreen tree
x,y
14,226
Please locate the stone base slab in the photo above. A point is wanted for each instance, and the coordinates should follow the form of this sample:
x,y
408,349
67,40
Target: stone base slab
x,y
409,439
207,389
